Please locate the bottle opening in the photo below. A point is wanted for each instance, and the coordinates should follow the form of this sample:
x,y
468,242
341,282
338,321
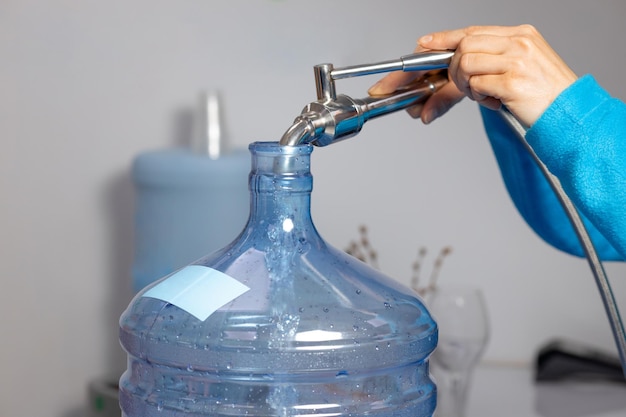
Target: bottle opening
x,y
275,159
276,148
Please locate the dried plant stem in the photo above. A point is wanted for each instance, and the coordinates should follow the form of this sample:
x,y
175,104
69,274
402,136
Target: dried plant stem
x,y
432,284
372,256
362,249
417,266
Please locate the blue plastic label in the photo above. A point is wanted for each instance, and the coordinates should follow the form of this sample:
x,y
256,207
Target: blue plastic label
x,y
197,289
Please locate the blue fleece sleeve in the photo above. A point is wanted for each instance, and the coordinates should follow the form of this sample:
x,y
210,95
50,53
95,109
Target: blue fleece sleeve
x,y
582,140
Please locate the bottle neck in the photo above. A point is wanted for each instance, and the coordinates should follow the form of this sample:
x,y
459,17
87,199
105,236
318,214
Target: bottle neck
x,y
280,186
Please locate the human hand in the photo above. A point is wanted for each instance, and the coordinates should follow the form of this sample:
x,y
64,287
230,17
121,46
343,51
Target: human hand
x,y
493,65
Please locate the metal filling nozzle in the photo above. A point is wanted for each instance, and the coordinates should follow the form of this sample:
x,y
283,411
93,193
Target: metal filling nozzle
x,y
332,118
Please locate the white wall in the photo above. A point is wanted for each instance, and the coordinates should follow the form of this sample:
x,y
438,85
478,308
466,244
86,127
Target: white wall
x,y
86,85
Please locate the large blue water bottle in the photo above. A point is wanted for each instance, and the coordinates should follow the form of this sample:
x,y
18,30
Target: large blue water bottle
x,y
278,323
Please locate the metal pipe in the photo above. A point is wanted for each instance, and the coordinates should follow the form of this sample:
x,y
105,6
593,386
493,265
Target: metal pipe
x,y
602,281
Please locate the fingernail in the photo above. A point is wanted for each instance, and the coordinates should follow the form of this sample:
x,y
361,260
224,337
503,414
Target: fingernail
x,y
428,117
425,39
415,111
375,89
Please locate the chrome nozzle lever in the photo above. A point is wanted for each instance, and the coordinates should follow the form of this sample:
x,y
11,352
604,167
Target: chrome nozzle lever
x,y
332,118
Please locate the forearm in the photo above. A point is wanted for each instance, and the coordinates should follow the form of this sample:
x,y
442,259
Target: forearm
x,y
582,140
533,196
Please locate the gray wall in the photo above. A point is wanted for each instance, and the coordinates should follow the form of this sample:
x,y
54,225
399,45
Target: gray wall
x,y
87,85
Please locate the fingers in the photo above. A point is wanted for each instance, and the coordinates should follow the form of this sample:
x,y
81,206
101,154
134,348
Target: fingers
x,y
415,111
511,66
478,51
443,100
391,83
493,65
490,103
440,102
450,39
466,66
442,40
483,50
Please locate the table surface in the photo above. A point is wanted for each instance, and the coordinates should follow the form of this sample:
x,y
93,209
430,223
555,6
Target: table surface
x,y
502,390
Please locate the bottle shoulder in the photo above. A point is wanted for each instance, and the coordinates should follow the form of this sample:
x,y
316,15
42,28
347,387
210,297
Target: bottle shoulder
x,y
297,303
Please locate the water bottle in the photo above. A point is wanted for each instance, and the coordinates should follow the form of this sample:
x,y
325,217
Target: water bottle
x,y
278,322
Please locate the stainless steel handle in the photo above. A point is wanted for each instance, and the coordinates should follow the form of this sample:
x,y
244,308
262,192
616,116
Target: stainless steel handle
x,y
326,74
420,61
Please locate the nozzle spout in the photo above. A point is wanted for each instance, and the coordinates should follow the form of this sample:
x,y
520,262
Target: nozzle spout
x,y
301,131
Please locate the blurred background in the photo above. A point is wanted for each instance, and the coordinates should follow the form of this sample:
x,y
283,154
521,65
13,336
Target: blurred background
x,y
86,86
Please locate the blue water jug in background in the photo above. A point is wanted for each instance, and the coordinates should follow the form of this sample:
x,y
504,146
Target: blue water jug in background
x,y
190,200
278,322
186,206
